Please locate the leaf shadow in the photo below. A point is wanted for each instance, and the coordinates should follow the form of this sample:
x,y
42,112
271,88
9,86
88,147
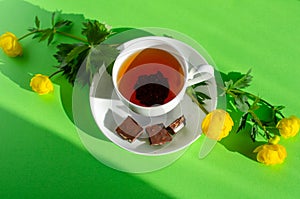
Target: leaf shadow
x,y
38,57
241,142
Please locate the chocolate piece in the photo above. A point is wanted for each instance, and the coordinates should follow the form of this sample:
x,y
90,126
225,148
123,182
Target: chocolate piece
x,y
175,126
129,129
152,89
158,135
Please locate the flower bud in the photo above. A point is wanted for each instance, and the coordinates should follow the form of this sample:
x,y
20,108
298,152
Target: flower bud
x,y
270,154
217,124
10,45
288,127
41,84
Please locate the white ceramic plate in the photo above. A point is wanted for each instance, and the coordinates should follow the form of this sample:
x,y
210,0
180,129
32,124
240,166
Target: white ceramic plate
x,y
108,111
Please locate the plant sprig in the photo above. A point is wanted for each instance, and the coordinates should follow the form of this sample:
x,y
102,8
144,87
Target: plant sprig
x,y
249,104
48,33
71,57
197,96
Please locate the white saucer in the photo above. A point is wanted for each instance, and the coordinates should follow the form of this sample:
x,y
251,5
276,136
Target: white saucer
x,y
108,111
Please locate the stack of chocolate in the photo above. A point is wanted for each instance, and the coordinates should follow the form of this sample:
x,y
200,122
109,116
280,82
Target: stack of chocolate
x,y
158,134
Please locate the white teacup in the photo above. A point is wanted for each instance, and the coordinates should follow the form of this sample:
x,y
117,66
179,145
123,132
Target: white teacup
x,y
191,75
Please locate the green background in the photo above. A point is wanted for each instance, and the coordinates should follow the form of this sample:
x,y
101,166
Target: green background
x,y
41,155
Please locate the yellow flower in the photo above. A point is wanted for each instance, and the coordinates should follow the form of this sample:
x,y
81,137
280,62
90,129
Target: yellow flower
x,y
217,124
289,127
270,154
10,45
41,84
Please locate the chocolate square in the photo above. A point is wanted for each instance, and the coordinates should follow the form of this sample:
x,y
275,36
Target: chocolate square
x,y
129,129
158,135
175,126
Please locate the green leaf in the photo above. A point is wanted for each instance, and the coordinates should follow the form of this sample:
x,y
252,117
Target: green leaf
x,y
62,23
50,38
95,32
31,29
71,57
45,34
204,83
37,22
63,50
242,123
279,108
53,19
253,132
201,97
241,102
228,84
102,55
109,68
36,35
75,52
244,81
227,87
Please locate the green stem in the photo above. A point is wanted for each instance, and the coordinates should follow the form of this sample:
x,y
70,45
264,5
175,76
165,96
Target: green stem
x,y
265,102
190,93
260,99
28,34
257,120
56,72
71,36
253,97
271,127
232,94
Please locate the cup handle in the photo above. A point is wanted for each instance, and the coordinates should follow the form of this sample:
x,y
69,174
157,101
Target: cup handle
x,y
200,74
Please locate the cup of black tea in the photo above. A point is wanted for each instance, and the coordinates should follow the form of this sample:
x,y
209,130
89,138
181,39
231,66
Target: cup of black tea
x,y
151,75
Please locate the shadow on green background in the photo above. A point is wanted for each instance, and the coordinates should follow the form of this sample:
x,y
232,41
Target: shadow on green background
x,y
240,142
37,163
